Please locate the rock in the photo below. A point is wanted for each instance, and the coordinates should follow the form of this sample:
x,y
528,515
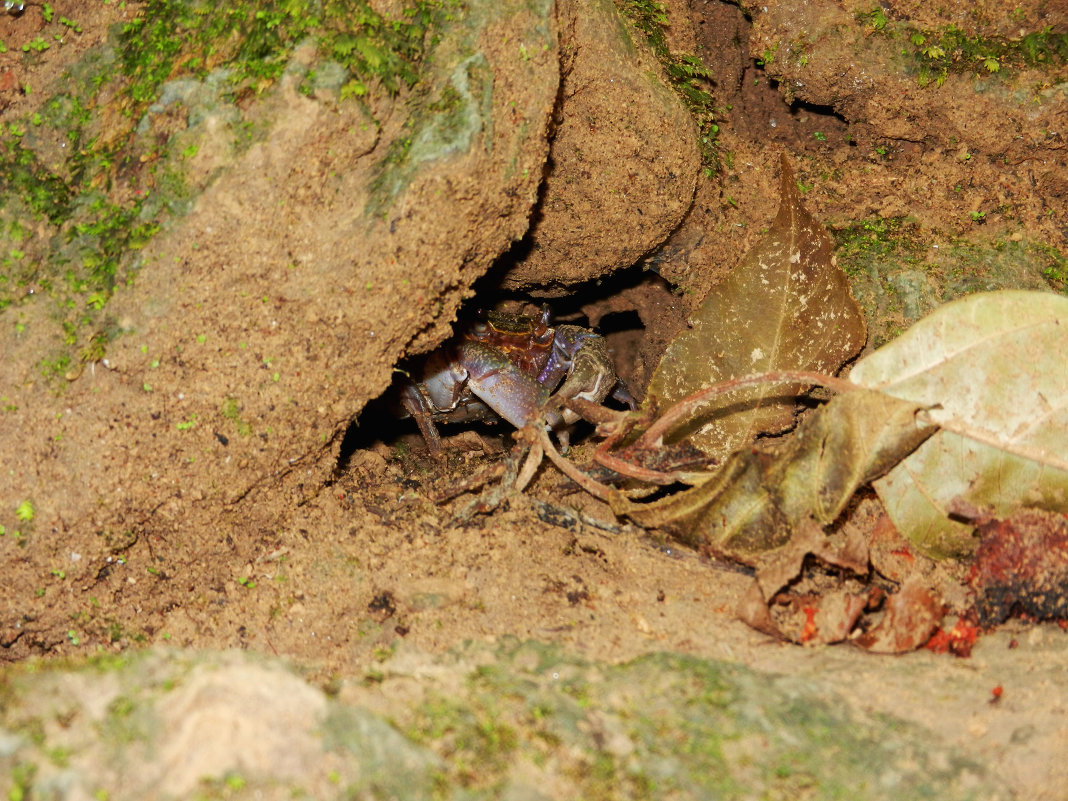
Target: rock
x,y
328,239
623,162
526,719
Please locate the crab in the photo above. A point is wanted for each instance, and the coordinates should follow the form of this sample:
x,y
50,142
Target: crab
x,y
514,367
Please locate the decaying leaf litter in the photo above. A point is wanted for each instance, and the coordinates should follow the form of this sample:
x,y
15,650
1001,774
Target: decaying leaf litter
x,y
986,372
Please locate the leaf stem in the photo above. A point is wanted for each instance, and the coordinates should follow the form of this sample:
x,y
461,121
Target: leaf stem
x,y
688,407
625,468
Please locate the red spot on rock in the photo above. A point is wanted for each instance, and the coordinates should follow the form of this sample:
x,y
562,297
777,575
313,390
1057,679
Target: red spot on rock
x,y
957,640
1021,568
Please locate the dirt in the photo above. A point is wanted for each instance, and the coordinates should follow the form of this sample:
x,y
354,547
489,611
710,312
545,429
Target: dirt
x,y
226,478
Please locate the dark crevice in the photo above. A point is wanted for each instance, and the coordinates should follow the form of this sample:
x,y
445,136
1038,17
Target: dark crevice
x,y
803,107
379,421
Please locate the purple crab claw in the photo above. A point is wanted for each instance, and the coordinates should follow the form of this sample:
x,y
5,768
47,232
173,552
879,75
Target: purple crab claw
x,y
438,394
471,382
503,387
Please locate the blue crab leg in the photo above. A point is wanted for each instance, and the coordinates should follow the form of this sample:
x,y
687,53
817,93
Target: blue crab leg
x,y
511,393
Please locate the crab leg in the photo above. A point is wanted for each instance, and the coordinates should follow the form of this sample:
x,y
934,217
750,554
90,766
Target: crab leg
x,y
583,356
416,406
441,391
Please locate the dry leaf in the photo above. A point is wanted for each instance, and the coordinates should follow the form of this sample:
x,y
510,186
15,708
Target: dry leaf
x,y
994,367
776,569
787,603
910,617
806,620
893,556
794,598
787,306
758,498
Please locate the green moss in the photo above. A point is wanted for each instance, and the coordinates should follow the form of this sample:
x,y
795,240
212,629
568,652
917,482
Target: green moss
x,y
451,109
664,726
390,766
661,726
878,237
1055,269
444,121
20,781
935,54
55,367
686,73
64,232
900,272
255,39
128,720
85,181
231,410
479,744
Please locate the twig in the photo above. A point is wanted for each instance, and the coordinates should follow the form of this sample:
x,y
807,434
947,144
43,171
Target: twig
x,y
630,470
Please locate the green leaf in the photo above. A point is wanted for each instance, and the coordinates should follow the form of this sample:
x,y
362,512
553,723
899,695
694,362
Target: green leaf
x,y
25,512
994,366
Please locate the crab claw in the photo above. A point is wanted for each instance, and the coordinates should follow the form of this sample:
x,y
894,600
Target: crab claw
x,y
497,382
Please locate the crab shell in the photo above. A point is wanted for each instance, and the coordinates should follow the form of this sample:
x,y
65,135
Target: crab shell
x,y
527,341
